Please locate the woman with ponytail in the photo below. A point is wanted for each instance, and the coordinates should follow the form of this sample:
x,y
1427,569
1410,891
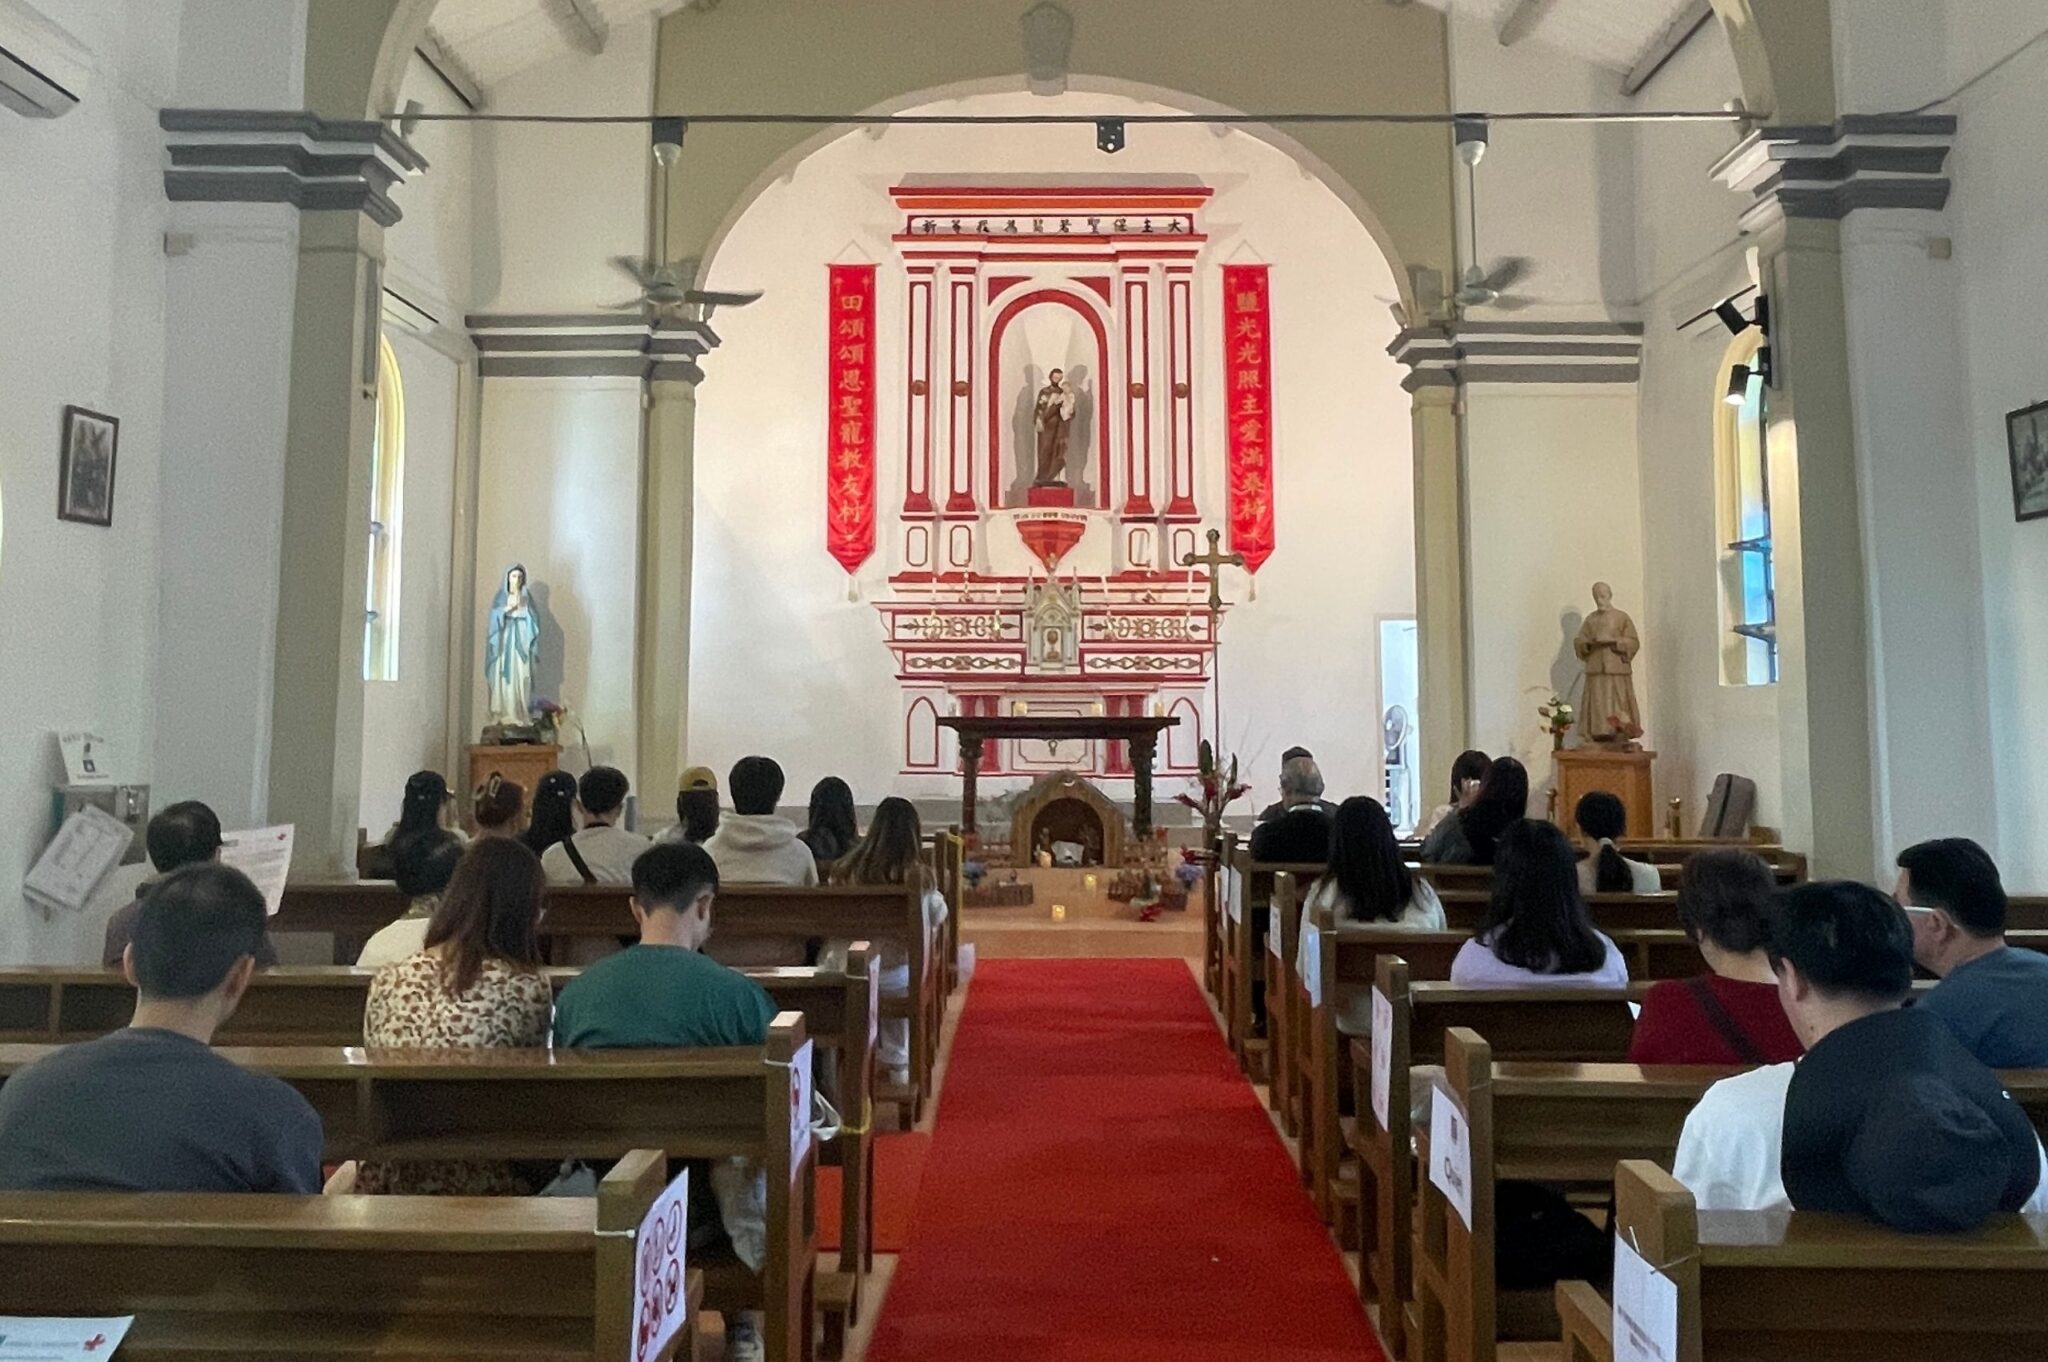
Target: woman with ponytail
x,y
1602,818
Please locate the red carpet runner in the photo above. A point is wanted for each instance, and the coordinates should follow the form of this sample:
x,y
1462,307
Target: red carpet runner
x,y
1104,1185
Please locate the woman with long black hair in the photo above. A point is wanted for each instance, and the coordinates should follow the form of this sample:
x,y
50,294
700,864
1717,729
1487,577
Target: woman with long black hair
x,y
554,812
1471,835
1370,884
1537,930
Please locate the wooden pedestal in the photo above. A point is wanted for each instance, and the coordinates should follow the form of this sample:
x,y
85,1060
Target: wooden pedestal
x,y
1625,775
524,765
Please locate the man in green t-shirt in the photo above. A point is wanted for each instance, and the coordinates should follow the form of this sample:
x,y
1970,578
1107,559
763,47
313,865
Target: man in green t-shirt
x,y
665,993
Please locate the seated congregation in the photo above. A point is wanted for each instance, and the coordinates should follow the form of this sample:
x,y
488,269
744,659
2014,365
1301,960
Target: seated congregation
x,y
1817,1073
462,965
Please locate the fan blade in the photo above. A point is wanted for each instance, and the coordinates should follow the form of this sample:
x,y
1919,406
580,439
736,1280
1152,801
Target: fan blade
x,y
635,306
710,299
634,268
1477,295
1512,302
1507,272
1395,306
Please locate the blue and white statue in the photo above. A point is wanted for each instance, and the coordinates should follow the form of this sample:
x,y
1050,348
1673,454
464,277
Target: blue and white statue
x,y
511,649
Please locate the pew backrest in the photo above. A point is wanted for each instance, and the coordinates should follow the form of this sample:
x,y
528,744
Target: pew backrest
x,y
327,1277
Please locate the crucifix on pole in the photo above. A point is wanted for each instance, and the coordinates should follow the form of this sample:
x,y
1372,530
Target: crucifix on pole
x,y
1215,560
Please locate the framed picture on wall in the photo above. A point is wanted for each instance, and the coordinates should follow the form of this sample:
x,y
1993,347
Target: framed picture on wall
x,y
2026,435
85,481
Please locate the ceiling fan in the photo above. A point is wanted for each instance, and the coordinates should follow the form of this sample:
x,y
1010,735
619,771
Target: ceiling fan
x,y
1480,287
665,285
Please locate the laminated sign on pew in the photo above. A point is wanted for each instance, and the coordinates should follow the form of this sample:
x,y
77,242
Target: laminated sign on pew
x,y
1645,1325
661,1247
1382,1054
45,1340
800,1107
265,856
1450,1154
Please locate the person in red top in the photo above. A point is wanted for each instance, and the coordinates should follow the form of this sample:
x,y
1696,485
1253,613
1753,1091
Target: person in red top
x,y
1731,1014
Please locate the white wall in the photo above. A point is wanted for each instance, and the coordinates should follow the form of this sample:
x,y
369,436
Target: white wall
x,y
561,473
2000,217
1551,507
555,201
559,469
81,282
783,662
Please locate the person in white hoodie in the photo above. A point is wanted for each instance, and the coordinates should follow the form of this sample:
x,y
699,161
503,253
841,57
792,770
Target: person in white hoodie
x,y
756,845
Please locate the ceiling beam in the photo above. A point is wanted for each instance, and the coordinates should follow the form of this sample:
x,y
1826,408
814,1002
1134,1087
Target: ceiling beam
x,y
1518,22
1667,45
454,73
582,24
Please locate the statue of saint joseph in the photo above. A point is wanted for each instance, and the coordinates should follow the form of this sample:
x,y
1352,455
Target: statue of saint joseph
x,y
1052,419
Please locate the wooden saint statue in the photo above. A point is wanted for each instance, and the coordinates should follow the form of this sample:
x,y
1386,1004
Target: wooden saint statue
x,y
1052,419
1607,644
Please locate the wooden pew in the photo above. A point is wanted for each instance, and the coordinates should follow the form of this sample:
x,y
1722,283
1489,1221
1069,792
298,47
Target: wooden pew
x,y
324,1007
1213,919
353,911
1286,1024
589,1104
338,1279
1565,1125
1799,1284
1563,1024
1248,899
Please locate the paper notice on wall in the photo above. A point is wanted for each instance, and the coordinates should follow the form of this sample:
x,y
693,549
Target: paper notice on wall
x,y
1382,1054
46,1340
91,843
87,760
265,856
1450,1153
660,1254
1645,1325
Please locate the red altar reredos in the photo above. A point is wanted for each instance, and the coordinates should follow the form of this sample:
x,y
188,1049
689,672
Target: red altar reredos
x,y
1012,593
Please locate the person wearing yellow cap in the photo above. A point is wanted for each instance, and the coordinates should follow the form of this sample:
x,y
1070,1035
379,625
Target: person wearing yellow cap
x,y
696,807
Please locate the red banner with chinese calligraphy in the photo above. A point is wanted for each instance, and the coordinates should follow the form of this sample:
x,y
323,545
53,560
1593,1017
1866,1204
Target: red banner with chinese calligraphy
x,y
1248,437
850,423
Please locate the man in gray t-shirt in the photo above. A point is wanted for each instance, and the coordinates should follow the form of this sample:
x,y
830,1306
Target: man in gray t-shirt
x,y
152,1108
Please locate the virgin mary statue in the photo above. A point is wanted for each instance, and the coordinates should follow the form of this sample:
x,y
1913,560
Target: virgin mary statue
x,y
510,650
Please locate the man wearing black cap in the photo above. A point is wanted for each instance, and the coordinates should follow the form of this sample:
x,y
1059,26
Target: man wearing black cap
x,y
1887,1117
1889,1110
184,834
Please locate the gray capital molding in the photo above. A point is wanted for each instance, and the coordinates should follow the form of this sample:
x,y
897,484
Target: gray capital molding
x,y
285,156
1825,173
590,345
1465,353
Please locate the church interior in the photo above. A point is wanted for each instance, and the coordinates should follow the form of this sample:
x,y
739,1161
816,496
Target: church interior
x,y
1055,486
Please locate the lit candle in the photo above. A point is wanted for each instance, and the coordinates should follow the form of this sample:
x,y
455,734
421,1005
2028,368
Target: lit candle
x,y
1023,707
1088,883
1059,912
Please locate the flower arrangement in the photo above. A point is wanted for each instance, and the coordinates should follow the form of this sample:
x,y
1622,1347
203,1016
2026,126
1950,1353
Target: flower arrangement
x,y
549,716
1190,868
1215,789
1558,717
973,872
